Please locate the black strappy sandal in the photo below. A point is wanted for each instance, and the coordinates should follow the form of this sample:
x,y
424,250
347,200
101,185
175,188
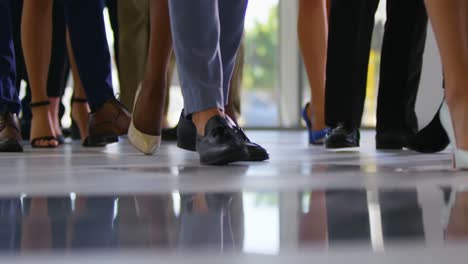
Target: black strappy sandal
x,y
46,138
75,100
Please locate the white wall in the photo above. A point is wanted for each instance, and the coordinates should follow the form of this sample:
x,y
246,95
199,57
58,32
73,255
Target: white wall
x,y
430,90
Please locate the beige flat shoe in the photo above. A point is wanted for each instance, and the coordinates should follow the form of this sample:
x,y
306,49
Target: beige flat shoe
x,y
147,144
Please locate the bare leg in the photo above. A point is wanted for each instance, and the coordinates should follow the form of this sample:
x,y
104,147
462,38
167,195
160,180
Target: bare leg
x,y
313,226
36,233
80,110
36,35
54,114
149,108
457,228
313,34
450,22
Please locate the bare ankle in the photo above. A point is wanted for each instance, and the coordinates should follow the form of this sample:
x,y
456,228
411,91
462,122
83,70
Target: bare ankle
x,y
317,116
201,118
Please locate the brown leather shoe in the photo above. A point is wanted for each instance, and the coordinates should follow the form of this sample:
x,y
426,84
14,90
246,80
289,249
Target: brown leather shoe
x,y
107,124
10,135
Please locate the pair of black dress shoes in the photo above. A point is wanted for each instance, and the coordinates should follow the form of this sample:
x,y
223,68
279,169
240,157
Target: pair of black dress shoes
x,y
347,137
431,139
224,142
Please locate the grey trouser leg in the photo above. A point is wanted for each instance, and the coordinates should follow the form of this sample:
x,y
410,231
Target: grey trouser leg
x,y
207,35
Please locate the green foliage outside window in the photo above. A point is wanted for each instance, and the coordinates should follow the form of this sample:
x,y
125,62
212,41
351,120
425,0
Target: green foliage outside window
x,y
261,43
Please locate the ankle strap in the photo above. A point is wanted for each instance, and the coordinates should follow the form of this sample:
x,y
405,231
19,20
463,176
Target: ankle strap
x,y
38,104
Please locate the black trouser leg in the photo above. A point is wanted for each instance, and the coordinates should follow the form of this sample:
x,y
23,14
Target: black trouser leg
x,y
59,68
351,26
401,65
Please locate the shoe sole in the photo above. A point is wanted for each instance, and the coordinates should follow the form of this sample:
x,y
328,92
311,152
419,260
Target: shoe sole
x,y
251,157
383,146
101,140
259,158
233,156
437,149
10,146
255,156
334,145
316,143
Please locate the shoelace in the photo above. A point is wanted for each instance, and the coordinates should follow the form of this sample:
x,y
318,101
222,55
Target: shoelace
x,y
223,133
219,131
241,132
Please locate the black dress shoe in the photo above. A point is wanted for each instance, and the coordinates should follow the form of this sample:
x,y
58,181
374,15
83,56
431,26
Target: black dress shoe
x,y
169,134
221,144
391,140
342,137
431,139
186,138
256,152
186,133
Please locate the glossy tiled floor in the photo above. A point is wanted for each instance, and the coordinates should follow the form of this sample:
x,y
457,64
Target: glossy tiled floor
x,y
76,205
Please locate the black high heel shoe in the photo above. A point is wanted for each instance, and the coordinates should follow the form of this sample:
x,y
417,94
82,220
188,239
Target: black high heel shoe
x,y
34,141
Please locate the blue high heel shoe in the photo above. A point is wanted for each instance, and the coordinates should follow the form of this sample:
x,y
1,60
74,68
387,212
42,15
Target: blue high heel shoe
x,y
460,157
316,137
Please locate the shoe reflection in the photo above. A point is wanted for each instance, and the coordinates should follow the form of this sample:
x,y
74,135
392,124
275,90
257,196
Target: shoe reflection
x,y
334,217
143,221
218,221
205,222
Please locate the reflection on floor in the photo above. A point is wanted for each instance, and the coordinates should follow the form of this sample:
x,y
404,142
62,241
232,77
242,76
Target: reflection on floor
x,y
115,205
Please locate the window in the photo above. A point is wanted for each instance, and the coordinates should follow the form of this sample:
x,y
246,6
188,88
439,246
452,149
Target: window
x,y
259,100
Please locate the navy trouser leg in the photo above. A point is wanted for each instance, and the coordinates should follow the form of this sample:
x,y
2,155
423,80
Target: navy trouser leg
x,y
206,35
85,22
9,100
59,68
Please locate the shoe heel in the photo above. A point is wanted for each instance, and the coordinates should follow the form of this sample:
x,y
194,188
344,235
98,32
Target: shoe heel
x,y
147,144
460,157
186,138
